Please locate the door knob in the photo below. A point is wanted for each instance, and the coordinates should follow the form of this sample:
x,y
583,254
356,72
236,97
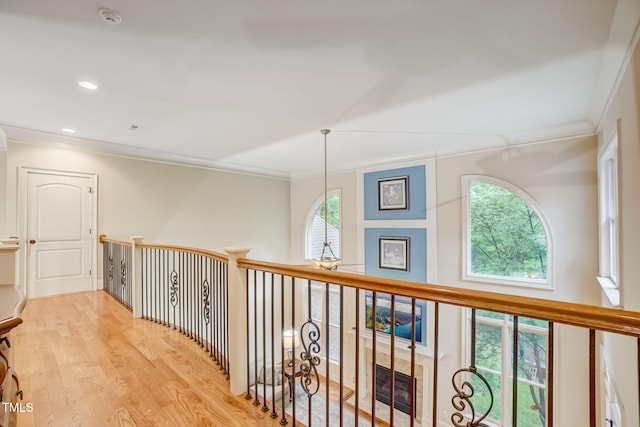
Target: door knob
x,y
32,241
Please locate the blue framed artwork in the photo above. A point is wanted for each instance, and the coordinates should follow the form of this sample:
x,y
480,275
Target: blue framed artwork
x,y
395,194
396,253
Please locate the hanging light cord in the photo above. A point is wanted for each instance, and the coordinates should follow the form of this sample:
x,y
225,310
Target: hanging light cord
x,y
326,199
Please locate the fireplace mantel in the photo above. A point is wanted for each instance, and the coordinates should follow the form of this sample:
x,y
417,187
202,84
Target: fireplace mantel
x,y
423,353
424,360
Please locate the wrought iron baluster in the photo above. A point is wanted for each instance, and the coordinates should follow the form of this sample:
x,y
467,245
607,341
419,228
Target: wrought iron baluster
x,y
273,414
123,274
219,323
248,395
218,317
374,340
436,347
174,288
327,347
550,374
225,284
214,308
293,326
200,305
310,340
341,323
264,408
256,401
283,420
357,359
592,378
412,390
514,374
206,313
462,400
392,375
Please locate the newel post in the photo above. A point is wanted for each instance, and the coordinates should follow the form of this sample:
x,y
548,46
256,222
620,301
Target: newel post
x,y
136,275
238,351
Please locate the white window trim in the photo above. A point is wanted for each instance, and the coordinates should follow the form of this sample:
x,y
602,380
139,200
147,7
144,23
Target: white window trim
x,y
545,284
608,274
311,212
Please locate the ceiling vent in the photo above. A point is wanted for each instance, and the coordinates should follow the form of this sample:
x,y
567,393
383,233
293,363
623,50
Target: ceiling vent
x,y
109,16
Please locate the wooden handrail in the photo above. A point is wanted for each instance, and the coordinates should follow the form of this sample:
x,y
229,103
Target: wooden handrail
x,y
203,252
104,239
210,254
587,316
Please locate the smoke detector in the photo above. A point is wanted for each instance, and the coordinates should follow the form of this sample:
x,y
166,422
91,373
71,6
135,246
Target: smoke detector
x,y
109,16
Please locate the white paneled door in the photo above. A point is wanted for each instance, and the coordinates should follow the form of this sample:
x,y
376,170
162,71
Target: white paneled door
x,y
58,233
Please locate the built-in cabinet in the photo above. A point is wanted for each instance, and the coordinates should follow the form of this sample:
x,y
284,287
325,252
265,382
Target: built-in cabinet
x,y
12,303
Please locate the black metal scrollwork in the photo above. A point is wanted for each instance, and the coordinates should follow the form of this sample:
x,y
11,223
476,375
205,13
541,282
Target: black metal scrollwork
x,y
309,357
173,288
123,272
206,311
462,399
110,269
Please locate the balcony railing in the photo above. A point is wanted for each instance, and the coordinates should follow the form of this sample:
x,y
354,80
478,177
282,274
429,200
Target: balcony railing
x,y
116,271
299,343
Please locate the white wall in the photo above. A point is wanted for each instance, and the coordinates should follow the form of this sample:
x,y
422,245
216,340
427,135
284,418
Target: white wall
x,y
625,110
3,193
169,203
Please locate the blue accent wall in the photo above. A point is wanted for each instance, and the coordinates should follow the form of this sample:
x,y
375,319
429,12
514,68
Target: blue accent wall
x,y
417,253
417,194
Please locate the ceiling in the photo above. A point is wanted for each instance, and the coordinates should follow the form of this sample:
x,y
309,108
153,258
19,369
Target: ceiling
x,y
247,85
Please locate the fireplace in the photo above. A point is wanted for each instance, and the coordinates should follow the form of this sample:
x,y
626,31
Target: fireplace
x,y
401,391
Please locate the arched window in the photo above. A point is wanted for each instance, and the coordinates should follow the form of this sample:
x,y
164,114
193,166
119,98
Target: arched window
x,y
315,226
506,239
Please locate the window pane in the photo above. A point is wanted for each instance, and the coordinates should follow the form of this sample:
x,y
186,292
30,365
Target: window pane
x,y
613,250
316,302
608,192
494,347
531,406
489,347
532,357
482,398
489,314
334,304
507,237
315,236
542,324
334,343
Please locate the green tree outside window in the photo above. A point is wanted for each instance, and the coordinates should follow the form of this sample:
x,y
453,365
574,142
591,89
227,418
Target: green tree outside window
x,y
507,237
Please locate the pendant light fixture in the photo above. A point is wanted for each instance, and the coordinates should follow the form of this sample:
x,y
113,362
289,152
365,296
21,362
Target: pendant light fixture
x,y
327,259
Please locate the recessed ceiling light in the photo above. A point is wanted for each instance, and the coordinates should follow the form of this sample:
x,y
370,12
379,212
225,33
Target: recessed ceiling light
x,y
134,127
109,16
88,85
69,130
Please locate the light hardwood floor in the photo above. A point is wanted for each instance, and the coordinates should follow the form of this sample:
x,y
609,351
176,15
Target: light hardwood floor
x,y
84,361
